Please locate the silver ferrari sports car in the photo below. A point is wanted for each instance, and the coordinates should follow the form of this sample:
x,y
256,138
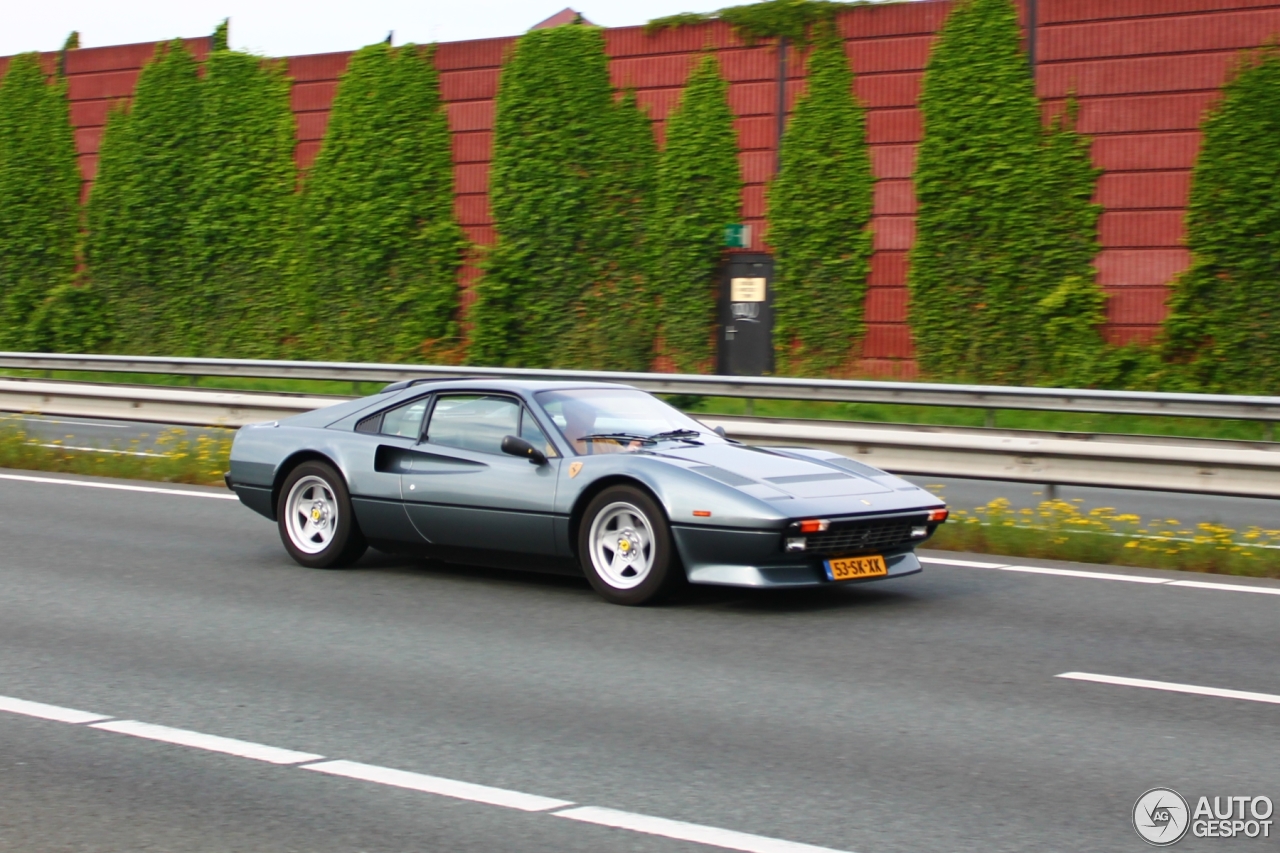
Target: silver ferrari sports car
x,y
592,478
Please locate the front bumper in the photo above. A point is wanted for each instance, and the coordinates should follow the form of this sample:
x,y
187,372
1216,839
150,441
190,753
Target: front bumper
x,y
751,558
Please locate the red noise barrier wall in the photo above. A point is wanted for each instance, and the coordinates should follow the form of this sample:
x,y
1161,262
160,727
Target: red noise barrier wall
x,y
1143,71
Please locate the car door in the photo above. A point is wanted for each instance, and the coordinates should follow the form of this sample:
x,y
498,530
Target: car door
x,y
374,469
461,490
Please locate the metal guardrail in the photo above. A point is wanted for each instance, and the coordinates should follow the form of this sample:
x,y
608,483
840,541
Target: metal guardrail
x,y
1205,466
990,397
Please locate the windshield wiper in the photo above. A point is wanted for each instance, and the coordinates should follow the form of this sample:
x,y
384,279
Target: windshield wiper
x,y
676,433
617,436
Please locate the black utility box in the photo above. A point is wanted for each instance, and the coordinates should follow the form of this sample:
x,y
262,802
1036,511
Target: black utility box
x,y
745,330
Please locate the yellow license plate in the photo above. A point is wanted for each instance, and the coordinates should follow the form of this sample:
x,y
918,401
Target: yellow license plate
x,y
851,568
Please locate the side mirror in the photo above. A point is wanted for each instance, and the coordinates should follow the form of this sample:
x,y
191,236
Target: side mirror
x,y
519,447
720,432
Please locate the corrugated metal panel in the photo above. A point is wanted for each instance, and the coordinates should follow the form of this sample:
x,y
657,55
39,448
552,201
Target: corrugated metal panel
x,y
1141,229
313,96
757,132
648,72
481,235
1148,151
318,66
757,166
893,19
108,84
88,139
893,161
894,197
472,210
1142,113
757,63
888,368
472,147
1137,306
1140,190
753,202
888,269
305,153
886,305
894,126
471,115
1062,11
1184,34
894,232
887,340
471,178
893,54
311,125
89,60
88,168
1123,335
1132,75
747,99
469,85
89,113
889,90
478,53
1130,267
658,102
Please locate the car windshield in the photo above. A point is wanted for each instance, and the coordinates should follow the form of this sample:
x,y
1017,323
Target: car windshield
x,y
613,420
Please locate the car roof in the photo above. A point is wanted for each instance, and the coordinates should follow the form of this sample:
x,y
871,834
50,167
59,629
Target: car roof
x,y
521,386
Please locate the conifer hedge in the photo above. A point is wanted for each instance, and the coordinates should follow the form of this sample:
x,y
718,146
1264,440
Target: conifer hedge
x,y
1224,320
1001,284
39,198
141,204
563,286
819,209
379,248
698,192
241,195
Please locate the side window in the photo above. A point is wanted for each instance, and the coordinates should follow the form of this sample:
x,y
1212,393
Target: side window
x,y
405,420
473,421
530,432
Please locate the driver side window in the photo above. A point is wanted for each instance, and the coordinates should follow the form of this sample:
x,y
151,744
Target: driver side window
x,y
473,421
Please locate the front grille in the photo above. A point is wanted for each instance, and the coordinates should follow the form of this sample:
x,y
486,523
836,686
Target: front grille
x,y
856,537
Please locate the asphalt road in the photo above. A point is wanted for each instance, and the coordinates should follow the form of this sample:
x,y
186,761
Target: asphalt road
x,y
920,714
1240,513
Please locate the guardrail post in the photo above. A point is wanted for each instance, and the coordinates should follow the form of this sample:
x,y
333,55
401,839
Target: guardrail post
x,y
1268,430
991,419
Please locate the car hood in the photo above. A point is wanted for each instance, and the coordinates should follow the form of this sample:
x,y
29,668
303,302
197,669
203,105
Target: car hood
x,y
766,473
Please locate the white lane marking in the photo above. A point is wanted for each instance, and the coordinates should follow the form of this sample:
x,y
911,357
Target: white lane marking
x,y
1105,576
681,831
968,564
48,712
72,423
438,785
1074,573
120,487
1228,587
212,743
96,449
1172,687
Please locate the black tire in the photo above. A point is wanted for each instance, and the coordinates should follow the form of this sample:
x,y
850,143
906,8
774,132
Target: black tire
x,y
335,543
661,575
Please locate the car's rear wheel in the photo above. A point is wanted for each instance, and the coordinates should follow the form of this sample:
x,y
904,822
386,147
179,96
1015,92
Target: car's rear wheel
x,y
316,522
625,547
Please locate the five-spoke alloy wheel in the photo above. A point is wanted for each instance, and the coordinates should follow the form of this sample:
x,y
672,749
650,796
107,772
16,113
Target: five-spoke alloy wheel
x,y
314,514
624,545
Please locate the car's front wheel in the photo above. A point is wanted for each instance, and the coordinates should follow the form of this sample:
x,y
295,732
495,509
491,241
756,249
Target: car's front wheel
x,y
625,547
316,522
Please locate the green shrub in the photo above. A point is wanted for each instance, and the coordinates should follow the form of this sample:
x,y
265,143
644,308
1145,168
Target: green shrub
x,y
141,204
791,19
241,197
1001,283
39,196
1223,328
819,208
699,190
379,246
562,203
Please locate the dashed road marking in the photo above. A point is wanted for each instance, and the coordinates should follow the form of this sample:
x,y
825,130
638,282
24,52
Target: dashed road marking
x,y
1101,576
711,836
120,487
209,743
1172,687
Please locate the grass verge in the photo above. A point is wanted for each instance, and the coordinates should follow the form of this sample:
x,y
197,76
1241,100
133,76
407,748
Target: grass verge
x,y
1059,530
172,456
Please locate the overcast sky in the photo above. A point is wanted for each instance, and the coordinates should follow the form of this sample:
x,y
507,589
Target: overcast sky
x,y
293,27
